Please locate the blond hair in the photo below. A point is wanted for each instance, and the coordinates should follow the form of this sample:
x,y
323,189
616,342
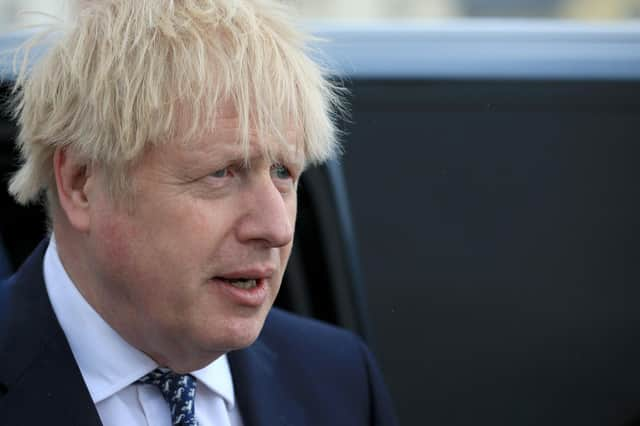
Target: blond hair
x,y
120,77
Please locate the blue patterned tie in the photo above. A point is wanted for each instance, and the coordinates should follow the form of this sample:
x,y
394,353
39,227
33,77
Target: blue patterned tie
x,y
179,390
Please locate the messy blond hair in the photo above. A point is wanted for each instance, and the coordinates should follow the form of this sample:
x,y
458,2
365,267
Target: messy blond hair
x,y
120,77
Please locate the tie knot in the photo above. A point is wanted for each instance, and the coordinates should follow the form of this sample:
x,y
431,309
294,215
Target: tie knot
x,y
179,390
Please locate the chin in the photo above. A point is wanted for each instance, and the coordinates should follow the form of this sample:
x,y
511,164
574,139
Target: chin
x,y
246,335
235,334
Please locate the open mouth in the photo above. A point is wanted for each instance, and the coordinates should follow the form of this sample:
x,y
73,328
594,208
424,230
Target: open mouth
x,y
241,283
243,289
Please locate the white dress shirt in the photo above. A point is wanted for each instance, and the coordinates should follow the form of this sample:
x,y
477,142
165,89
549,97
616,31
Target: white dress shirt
x,y
110,366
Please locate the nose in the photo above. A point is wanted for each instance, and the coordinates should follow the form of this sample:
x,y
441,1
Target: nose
x,y
269,215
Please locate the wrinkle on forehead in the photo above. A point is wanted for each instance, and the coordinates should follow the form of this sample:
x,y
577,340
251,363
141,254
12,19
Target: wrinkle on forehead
x,y
225,131
287,150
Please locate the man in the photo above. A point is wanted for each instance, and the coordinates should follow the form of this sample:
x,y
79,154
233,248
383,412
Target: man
x,y
168,138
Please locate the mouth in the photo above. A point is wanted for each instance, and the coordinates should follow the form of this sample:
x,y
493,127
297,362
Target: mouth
x,y
241,283
245,289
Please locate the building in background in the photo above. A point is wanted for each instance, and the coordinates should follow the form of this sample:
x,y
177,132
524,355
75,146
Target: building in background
x,y
428,9
599,9
12,14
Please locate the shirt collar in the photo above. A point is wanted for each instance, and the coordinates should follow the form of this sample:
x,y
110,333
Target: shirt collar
x,y
217,377
107,362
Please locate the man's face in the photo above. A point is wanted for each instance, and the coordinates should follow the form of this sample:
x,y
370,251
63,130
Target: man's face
x,y
191,271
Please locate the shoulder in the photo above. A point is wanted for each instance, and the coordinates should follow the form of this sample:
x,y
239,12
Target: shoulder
x,y
328,365
322,365
317,351
320,341
279,320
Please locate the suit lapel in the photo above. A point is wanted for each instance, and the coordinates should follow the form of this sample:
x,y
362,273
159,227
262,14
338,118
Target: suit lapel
x,y
262,399
37,369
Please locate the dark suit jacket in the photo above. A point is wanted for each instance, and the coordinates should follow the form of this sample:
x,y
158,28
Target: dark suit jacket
x,y
298,372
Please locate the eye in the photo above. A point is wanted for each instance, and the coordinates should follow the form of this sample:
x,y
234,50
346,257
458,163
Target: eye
x,y
222,173
280,172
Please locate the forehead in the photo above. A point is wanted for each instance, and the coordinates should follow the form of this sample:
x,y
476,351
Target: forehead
x,y
227,135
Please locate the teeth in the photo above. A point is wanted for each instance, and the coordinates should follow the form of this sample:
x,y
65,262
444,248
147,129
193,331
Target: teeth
x,y
243,284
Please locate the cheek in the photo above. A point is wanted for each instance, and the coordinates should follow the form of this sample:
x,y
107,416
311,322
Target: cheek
x,y
142,266
116,237
197,232
116,244
171,231
285,251
292,208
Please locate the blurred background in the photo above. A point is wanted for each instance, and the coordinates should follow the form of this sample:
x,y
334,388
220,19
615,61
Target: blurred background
x,y
396,9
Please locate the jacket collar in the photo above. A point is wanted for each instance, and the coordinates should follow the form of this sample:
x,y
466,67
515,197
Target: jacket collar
x,y
262,399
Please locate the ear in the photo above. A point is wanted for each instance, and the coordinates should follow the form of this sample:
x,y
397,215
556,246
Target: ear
x,y
72,182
